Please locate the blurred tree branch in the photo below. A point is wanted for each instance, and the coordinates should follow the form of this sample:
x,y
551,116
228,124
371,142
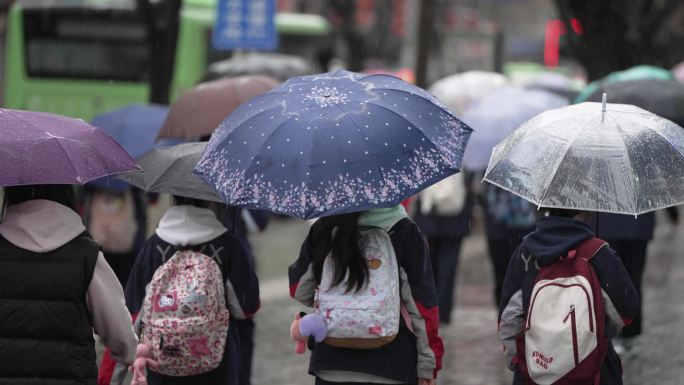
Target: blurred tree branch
x,y
620,34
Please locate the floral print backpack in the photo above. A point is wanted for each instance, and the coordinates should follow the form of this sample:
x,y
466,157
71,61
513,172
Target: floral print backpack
x,y
184,315
368,318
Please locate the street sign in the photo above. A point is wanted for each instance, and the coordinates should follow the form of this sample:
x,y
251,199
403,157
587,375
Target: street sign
x,y
245,24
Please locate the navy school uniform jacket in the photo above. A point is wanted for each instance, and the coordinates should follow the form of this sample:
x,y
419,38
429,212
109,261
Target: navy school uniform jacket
x,y
198,229
411,355
553,238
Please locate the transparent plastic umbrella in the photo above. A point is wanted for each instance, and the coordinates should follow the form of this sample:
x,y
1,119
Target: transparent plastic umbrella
x,y
614,158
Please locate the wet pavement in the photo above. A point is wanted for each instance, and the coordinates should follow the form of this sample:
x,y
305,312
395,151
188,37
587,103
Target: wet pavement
x,y
472,349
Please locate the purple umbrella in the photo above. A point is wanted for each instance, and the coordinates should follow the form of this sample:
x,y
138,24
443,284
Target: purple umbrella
x,y
43,148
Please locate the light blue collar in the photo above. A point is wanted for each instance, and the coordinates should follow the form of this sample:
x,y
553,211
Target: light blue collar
x,y
383,218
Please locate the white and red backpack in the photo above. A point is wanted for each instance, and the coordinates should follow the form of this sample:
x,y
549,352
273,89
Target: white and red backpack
x,y
184,315
563,339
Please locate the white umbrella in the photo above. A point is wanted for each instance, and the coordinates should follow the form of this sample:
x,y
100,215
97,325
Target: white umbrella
x,y
458,91
617,158
494,117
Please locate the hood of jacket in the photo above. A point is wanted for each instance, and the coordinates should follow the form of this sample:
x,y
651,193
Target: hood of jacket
x,y
187,225
40,225
554,237
383,218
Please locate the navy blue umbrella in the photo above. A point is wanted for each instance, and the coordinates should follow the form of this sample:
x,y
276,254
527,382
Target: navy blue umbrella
x,y
135,127
333,143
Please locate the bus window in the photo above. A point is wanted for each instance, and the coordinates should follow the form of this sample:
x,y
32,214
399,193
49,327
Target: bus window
x,y
96,44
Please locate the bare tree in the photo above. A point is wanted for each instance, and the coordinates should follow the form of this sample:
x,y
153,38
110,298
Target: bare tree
x,y
620,34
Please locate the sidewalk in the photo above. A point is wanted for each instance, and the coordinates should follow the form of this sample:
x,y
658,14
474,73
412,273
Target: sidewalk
x,y
472,348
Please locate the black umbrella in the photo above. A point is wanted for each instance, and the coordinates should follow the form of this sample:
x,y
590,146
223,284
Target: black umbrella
x,y
661,97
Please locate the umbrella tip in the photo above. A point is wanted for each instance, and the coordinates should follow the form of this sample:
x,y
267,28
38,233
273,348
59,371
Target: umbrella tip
x,y
603,102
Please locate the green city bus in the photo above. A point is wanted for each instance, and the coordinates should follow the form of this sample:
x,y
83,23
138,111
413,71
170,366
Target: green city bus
x,y
83,57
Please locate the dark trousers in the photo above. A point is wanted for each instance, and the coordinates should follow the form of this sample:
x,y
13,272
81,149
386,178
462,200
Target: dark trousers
x,y
246,336
320,381
633,256
500,251
444,252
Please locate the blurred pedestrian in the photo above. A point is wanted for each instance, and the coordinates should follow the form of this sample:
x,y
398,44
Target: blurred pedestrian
x,y
561,236
629,237
508,218
116,218
190,225
443,214
240,222
415,353
56,289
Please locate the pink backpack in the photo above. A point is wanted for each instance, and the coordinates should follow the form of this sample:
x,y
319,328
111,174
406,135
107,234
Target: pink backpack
x,y
564,339
184,315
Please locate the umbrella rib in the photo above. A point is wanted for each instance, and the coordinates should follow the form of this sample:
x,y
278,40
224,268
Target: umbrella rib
x,y
629,159
552,175
439,105
414,125
66,154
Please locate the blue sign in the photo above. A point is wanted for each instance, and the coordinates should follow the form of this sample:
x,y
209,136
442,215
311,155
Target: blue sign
x,y
247,24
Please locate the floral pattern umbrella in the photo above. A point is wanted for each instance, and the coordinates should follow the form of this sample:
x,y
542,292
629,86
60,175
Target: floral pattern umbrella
x,y
333,143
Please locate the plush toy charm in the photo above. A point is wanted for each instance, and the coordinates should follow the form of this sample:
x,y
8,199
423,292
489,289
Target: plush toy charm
x,y
304,326
143,359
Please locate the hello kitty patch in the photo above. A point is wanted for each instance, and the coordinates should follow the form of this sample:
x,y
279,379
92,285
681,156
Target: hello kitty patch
x,y
166,301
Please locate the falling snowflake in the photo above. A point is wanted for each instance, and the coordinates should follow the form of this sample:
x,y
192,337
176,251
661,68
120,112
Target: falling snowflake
x,y
327,96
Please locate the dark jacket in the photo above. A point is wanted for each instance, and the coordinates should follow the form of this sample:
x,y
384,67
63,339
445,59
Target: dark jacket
x,y
618,228
553,238
410,355
46,334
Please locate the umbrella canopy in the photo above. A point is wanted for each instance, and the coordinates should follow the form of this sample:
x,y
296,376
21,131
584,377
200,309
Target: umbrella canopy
x,y
333,143
553,82
275,65
625,160
497,114
200,110
43,148
640,72
135,126
169,171
458,91
661,97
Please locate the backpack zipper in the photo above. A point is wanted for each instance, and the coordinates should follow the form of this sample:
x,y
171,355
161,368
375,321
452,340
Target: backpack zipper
x,y
573,326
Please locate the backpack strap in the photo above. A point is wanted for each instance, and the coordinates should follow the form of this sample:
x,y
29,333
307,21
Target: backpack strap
x,y
589,248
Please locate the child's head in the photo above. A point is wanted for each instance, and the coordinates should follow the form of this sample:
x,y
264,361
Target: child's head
x,y
60,193
337,236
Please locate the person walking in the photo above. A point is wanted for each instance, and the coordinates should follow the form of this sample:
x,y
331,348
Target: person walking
x,y
414,355
443,214
117,219
56,289
508,218
629,237
190,225
562,236
239,223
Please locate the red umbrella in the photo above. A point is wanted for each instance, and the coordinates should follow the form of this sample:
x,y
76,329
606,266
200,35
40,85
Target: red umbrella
x,y
200,110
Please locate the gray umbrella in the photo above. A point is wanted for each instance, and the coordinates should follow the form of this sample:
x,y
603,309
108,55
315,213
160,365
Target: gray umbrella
x,y
619,159
169,170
